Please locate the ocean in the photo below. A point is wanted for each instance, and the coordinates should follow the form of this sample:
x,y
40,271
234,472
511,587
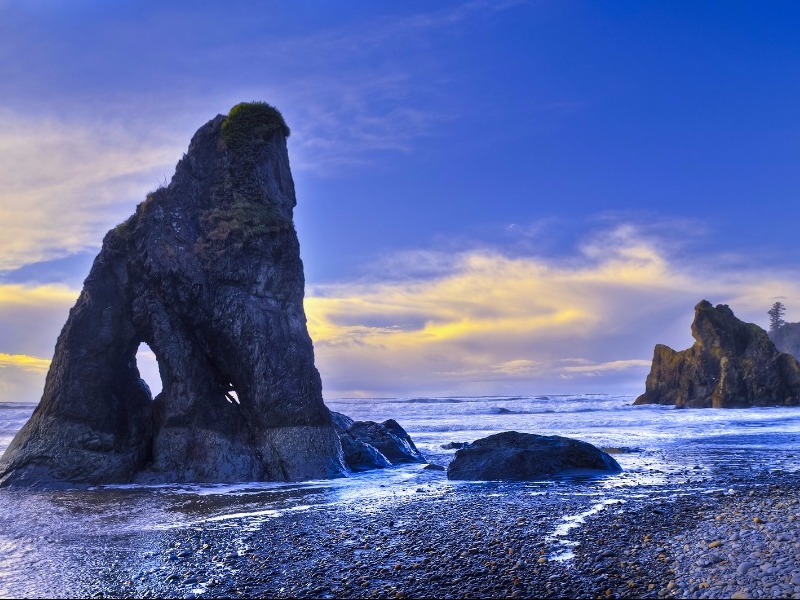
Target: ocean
x,y
50,540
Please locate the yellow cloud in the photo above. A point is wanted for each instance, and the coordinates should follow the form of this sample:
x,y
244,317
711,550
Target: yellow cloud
x,y
36,296
30,319
24,362
488,322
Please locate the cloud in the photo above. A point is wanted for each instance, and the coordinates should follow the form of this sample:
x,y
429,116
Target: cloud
x,y
469,322
30,319
24,362
485,322
63,185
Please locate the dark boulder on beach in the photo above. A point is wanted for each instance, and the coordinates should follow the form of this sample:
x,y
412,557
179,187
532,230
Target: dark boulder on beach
x,y
732,364
514,456
360,456
370,445
207,273
389,439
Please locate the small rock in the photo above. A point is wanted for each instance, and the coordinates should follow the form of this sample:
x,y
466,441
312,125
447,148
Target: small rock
x,y
433,467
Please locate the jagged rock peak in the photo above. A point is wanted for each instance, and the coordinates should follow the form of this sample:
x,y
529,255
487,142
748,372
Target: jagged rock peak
x,y
207,272
732,364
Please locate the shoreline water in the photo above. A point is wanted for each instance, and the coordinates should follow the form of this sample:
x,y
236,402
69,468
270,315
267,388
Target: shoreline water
x,y
411,532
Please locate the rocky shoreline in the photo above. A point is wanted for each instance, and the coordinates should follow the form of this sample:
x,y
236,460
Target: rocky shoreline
x,y
483,540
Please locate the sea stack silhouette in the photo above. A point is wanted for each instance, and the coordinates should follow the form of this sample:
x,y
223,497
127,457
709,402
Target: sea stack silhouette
x,y
732,364
207,272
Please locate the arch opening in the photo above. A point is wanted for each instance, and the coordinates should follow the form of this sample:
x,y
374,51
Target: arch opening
x,y
147,363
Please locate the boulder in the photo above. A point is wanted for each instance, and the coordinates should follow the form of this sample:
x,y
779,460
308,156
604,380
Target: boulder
x,y
360,456
514,456
389,439
367,445
732,364
454,445
207,272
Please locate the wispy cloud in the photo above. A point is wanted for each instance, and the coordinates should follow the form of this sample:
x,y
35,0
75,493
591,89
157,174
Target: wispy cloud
x,y
62,185
490,323
346,111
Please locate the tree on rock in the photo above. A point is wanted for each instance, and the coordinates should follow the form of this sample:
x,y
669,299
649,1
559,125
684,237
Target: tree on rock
x,y
776,317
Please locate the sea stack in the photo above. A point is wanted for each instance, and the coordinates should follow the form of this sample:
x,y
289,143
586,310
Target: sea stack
x,y
207,272
732,364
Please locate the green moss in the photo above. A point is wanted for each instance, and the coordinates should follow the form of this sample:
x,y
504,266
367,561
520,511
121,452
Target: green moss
x,y
241,223
124,230
252,121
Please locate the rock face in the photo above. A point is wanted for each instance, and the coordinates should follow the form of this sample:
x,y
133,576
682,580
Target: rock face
x,y
207,272
369,445
514,456
732,364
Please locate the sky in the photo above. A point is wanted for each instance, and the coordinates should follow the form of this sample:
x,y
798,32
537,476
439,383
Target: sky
x,y
494,198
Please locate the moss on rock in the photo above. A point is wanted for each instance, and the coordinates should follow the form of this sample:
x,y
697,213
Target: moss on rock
x,y
252,121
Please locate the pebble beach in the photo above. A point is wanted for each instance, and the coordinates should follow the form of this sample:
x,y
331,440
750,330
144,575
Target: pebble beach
x,y
480,542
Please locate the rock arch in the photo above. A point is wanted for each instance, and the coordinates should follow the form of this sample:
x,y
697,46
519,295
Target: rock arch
x,y
207,273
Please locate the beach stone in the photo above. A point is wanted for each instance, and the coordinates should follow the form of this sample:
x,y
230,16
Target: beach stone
x,y
515,456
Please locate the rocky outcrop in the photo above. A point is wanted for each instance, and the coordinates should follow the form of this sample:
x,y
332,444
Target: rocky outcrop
x,y
341,422
732,364
207,272
514,456
389,439
369,445
360,456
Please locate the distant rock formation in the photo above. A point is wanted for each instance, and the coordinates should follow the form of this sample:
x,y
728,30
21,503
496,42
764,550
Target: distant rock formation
x,y
369,445
514,456
787,339
732,364
207,272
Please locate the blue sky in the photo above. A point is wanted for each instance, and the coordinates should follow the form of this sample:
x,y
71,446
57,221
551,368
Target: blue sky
x,y
493,197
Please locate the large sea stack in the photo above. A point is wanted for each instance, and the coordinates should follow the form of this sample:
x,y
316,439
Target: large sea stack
x,y
732,364
207,272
